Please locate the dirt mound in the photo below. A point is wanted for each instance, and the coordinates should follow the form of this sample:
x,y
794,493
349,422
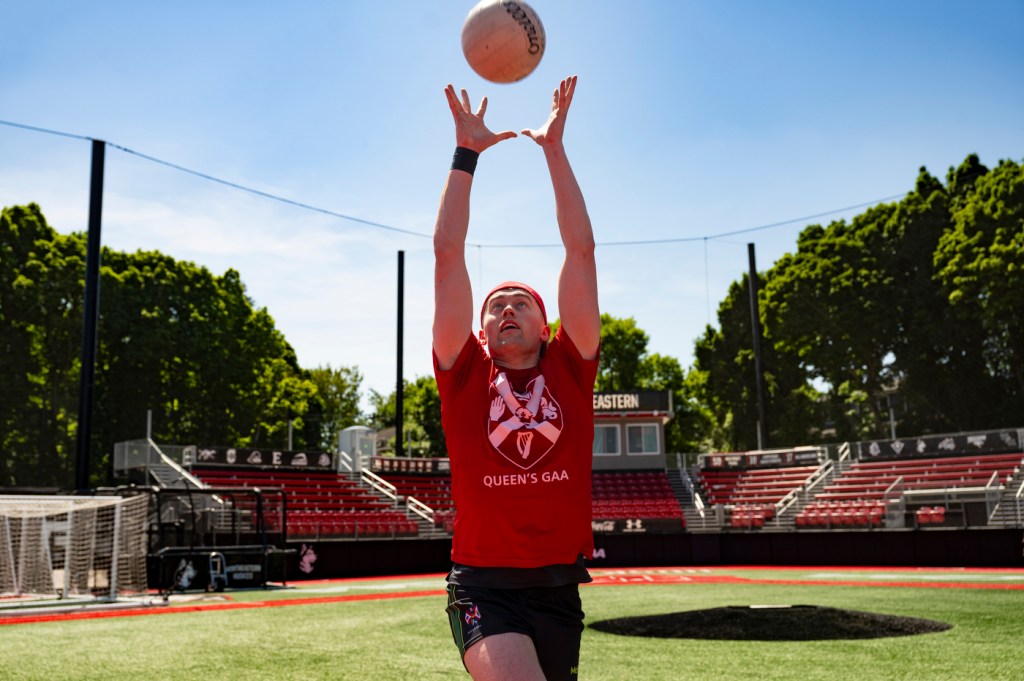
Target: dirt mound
x,y
770,623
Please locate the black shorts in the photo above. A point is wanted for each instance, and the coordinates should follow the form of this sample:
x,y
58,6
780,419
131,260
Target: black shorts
x,y
551,616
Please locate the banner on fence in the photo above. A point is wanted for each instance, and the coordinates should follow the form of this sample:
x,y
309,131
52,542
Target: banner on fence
x,y
990,442
637,526
228,457
776,458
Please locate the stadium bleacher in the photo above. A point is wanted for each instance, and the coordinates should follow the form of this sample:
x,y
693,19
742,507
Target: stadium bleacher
x,y
931,515
751,495
634,495
762,506
616,495
865,480
328,505
434,491
320,504
836,514
856,497
350,524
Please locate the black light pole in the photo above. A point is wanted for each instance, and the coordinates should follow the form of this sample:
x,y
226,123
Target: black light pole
x,y
90,325
400,388
755,330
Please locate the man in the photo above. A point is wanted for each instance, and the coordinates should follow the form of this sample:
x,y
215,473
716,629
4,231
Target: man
x,y
517,411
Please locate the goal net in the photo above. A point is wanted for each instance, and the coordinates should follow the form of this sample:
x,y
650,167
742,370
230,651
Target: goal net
x,y
67,546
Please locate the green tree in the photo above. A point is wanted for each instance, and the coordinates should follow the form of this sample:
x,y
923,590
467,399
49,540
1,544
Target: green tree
x,y
41,274
421,418
830,306
723,382
708,432
172,338
385,408
980,264
623,347
190,345
938,365
338,393
625,365
422,406
686,431
723,374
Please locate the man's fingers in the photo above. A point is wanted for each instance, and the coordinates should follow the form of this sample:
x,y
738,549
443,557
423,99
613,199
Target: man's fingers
x,y
453,101
464,116
565,91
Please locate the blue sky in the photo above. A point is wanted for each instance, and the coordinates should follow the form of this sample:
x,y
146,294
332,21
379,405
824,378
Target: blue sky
x,y
692,120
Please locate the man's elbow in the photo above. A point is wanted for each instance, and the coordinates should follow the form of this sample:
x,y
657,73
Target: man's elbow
x,y
447,248
582,247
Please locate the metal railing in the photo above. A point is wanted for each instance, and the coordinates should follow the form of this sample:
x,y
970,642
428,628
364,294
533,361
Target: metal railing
x,y
895,504
1009,509
149,457
420,509
1018,501
380,484
698,502
993,490
822,476
845,457
183,476
711,517
804,493
344,461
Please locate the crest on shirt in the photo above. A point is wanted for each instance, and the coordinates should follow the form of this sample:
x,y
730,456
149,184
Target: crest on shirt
x,y
523,427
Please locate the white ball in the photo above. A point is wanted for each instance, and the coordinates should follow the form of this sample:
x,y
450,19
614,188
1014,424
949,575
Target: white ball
x,y
503,40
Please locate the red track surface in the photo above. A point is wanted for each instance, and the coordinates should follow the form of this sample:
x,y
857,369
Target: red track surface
x,y
602,577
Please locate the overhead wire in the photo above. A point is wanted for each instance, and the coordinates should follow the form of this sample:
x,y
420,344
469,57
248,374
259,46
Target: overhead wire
x,y
409,232
267,195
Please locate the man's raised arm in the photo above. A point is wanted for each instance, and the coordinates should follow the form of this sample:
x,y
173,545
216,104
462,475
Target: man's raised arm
x,y
453,294
577,282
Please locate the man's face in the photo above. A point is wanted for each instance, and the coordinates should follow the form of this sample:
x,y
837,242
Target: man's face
x,y
513,325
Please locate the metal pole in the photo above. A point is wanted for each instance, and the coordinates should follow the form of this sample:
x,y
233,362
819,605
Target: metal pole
x,y
115,552
755,330
892,417
90,326
400,388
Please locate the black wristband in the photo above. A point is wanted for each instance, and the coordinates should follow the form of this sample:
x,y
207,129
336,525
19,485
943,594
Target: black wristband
x,y
465,160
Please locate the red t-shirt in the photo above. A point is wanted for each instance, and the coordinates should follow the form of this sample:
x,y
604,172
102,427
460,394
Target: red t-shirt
x,y
521,450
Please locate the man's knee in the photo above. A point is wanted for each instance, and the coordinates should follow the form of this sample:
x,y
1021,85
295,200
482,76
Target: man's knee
x,y
503,657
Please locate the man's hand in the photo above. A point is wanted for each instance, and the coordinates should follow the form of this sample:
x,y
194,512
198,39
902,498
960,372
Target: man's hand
x,y
497,408
470,130
554,126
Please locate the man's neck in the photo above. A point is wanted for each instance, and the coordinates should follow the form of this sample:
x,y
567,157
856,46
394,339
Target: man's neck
x,y
516,361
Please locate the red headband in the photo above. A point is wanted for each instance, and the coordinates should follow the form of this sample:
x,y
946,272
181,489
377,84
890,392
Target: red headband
x,y
519,286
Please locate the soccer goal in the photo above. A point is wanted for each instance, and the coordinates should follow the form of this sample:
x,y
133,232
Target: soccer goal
x,y
65,546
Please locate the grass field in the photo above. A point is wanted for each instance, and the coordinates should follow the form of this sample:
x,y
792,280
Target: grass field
x,y
387,629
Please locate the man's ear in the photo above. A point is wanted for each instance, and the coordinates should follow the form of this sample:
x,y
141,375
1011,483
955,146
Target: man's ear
x,y
545,333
